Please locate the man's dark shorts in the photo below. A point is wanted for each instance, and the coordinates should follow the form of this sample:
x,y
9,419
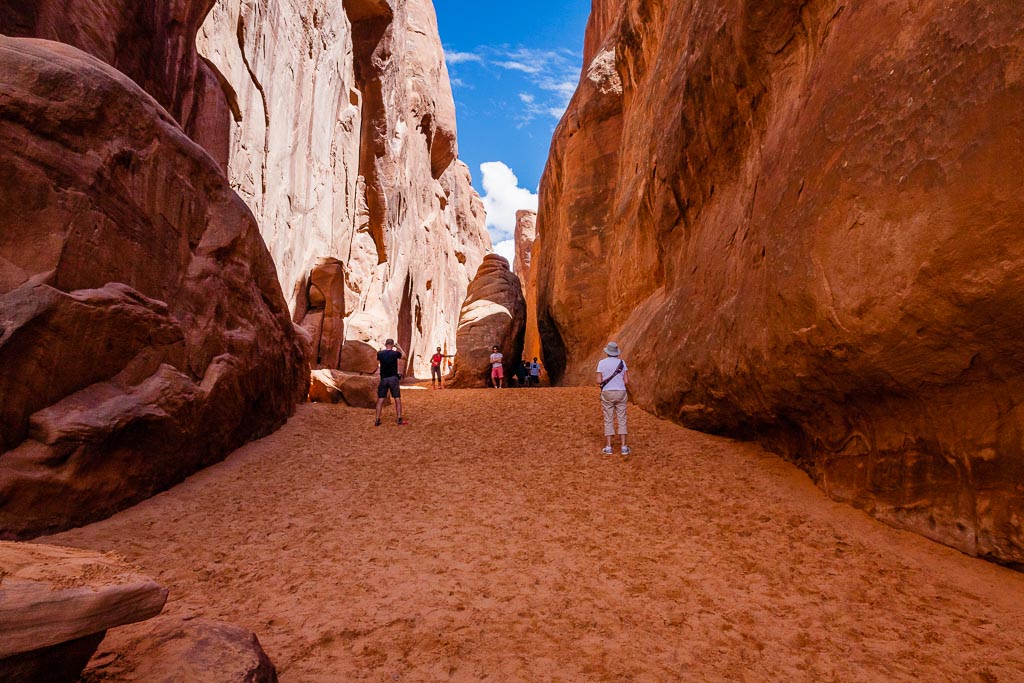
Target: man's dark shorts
x,y
391,384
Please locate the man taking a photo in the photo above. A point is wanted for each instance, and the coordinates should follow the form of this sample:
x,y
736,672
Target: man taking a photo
x,y
388,361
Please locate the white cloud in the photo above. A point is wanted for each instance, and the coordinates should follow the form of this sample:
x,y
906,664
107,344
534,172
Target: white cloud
x,y
520,66
453,57
506,248
553,74
502,198
563,86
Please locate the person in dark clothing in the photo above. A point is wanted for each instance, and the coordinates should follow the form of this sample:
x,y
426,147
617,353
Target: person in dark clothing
x,y
388,360
522,372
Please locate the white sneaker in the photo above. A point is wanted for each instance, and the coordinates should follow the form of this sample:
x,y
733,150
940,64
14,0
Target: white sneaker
x,y
607,450
625,450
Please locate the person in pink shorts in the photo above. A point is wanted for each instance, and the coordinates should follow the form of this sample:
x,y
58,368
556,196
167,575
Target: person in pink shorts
x,y
497,367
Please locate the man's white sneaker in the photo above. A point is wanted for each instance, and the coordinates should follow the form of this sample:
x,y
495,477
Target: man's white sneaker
x,y
607,450
625,450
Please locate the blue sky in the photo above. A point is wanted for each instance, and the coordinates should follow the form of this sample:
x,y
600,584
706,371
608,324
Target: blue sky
x,y
514,66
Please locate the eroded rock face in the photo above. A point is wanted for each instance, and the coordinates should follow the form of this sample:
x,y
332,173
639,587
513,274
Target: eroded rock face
x,y
494,314
801,221
336,124
327,309
153,43
526,235
143,335
343,144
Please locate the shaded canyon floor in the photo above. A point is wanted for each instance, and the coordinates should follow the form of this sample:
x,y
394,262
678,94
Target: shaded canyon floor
x,y
489,539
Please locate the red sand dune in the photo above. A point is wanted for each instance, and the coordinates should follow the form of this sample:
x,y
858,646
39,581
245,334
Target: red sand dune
x,y
489,539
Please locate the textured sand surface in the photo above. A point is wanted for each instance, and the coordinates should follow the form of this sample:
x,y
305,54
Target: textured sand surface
x,y
489,539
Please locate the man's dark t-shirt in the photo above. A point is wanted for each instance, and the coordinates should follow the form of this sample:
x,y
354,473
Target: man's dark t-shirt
x,y
388,363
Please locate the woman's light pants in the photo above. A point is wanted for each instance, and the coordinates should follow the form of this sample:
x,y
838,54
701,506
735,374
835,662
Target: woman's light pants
x,y
613,405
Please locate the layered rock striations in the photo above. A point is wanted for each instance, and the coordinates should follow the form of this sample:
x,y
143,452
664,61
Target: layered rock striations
x,y
801,221
343,143
143,334
494,314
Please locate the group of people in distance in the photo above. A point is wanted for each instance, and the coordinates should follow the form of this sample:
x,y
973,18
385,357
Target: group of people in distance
x,y
526,374
612,376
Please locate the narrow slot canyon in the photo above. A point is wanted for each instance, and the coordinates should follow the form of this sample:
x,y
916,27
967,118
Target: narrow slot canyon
x,y
302,304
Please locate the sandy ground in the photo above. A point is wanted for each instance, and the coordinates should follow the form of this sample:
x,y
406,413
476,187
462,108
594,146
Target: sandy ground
x,y
490,540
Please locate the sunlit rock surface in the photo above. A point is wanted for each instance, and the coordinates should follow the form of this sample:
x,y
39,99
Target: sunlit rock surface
x,y
343,144
525,236
802,223
494,314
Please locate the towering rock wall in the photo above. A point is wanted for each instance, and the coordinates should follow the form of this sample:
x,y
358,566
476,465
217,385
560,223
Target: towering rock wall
x,y
802,222
143,331
343,144
335,122
143,335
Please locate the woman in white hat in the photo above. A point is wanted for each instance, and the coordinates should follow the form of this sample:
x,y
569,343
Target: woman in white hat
x,y
613,378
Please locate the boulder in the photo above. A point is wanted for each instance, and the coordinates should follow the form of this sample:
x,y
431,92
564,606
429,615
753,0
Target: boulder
x,y
334,386
185,649
327,293
58,604
142,329
494,313
801,222
358,357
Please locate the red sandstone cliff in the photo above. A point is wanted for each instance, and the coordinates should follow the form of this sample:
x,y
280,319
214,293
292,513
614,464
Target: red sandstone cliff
x,y
153,43
143,335
802,222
